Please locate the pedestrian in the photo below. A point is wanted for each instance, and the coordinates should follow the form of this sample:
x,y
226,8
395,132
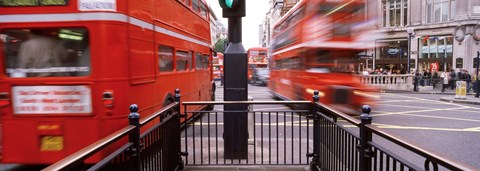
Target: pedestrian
x,y
452,79
41,52
445,81
416,80
222,79
435,78
468,79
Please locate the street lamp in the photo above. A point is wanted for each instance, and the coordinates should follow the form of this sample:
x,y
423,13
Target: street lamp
x,y
410,32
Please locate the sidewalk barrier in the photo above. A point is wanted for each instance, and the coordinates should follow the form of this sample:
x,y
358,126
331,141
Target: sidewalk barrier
x,y
461,90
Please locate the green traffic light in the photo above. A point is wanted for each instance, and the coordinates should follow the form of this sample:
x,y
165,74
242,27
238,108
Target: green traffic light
x,y
229,3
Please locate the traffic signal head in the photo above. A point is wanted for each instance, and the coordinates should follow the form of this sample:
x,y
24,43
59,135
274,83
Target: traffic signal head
x,y
233,8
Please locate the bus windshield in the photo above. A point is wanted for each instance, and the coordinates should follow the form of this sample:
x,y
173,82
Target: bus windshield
x,y
46,52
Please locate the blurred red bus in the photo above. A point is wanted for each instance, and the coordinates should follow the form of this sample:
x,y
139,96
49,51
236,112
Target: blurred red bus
x,y
257,58
73,67
217,63
313,46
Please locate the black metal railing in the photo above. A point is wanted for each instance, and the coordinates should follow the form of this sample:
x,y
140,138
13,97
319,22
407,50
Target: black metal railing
x,y
281,136
358,145
311,134
158,148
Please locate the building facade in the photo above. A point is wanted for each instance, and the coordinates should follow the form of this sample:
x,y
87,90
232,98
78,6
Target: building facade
x,y
444,35
217,29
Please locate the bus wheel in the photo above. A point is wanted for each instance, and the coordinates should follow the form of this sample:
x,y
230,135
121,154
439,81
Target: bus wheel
x,y
166,102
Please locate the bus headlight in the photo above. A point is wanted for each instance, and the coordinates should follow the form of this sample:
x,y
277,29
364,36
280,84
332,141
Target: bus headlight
x,y
366,94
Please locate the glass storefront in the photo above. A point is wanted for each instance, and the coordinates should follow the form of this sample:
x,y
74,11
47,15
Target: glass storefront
x,y
435,49
394,50
392,56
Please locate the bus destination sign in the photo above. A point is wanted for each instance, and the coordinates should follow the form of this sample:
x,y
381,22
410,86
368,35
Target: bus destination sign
x,y
22,3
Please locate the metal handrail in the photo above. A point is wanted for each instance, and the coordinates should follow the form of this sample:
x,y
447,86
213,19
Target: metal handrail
x,y
432,156
244,102
327,110
90,150
143,121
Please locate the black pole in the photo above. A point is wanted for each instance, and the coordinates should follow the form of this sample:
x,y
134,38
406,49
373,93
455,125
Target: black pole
x,y
315,163
409,49
477,86
235,85
134,137
235,30
365,137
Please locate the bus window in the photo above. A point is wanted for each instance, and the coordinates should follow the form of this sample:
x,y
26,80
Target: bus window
x,y
165,58
183,60
195,5
203,10
198,61
46,52
205,62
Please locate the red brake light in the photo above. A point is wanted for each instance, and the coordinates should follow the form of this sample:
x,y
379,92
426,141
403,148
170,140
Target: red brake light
x,y
108,99
4,99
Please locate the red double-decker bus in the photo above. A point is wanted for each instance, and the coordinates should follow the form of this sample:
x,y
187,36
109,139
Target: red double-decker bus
x,y
257,58
71,68
217,63
314,47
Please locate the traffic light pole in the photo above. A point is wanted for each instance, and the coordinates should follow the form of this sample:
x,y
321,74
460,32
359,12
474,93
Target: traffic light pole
x,y
235,85
235,30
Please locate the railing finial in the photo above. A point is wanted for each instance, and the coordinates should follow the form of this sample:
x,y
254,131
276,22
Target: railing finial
x,y
133,111
366,109
177,95
315,96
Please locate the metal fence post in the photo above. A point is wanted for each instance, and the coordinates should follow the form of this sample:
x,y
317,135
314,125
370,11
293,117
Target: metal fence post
x,y
181,163
177,99
134,137
315,163
365,137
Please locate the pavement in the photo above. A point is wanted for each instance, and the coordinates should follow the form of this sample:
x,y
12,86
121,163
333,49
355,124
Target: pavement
x,y
448,95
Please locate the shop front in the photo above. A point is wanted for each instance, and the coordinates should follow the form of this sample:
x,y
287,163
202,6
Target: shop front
x,y
392,56
436,53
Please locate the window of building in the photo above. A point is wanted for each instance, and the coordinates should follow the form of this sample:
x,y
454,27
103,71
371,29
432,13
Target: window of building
x,y
394,50
394,13
183,60
436,47
440,10
165,58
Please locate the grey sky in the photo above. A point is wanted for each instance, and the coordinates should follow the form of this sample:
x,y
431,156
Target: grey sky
x,y
256,10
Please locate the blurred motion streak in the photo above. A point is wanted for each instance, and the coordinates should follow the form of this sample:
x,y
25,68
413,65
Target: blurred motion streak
x,y
317,46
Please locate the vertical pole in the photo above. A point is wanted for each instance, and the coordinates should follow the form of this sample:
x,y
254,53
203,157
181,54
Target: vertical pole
x,y
365,137
477,85
235,30
176,133
409,51
315,163
235,89
134,137
177,99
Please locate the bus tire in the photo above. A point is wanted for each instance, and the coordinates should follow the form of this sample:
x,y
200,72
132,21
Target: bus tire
x,y
168,100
